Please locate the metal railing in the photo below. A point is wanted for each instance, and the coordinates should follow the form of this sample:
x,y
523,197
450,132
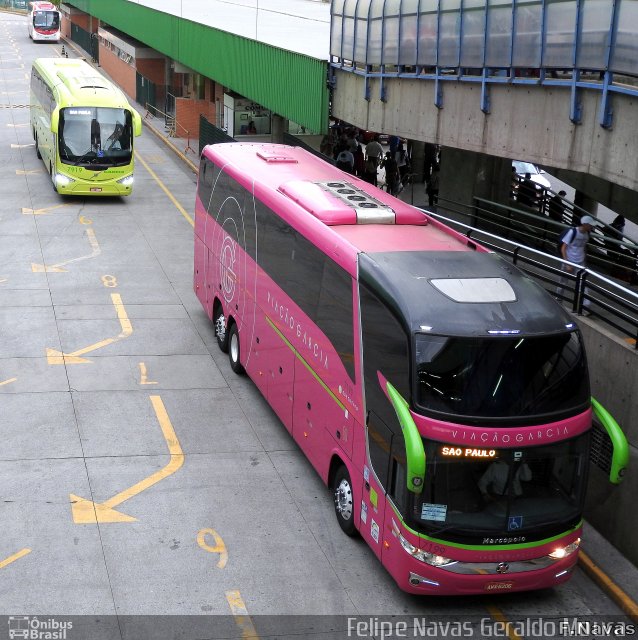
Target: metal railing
x,y
578,45
607,251
152,111
586,291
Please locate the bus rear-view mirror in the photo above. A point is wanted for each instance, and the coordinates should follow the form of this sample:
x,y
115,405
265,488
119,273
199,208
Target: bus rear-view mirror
x,y
55,120
137,123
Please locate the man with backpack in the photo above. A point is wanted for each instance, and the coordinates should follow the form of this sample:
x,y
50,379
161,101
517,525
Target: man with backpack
x,y
573,249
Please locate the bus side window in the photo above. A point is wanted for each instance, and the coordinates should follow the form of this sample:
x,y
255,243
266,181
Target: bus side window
x,y
205,181
334,313
379,445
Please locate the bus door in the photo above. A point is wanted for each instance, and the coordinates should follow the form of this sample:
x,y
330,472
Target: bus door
x,y
375,479
386,363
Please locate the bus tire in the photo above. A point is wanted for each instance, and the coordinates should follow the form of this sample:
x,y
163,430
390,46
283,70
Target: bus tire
x,y
221,327
344,501
233,350
37,148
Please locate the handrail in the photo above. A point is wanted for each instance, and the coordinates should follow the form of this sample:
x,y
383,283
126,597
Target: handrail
x,y
606,250
492,52
588,292
171,133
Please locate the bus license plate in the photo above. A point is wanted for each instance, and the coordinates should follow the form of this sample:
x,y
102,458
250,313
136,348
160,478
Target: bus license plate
x,y
96,189
498,586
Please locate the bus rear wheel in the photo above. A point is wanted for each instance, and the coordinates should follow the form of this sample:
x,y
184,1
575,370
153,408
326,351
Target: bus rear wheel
x,y
37,148
221,328
344,501
233,350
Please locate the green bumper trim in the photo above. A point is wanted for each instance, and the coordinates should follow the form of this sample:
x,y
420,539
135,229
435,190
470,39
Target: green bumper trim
x,y
414,450
620,455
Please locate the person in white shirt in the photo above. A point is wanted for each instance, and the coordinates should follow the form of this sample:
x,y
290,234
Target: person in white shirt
x,y
574,249
493,482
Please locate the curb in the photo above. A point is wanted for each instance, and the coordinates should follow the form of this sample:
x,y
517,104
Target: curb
x,y
625,602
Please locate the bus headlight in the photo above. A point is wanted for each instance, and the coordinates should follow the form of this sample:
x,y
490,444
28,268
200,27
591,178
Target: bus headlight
x,y
563,552
424,556
62,180
126,182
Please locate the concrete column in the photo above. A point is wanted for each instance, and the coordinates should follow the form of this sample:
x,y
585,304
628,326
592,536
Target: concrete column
x,y
279,125
466,174
417,159
583,201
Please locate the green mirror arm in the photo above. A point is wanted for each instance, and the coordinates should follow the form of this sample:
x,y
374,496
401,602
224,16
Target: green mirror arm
x,y
620,455
415,453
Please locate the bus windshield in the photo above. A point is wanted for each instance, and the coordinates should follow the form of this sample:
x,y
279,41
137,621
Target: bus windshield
x,y
46,20
496,492
97,136
500,376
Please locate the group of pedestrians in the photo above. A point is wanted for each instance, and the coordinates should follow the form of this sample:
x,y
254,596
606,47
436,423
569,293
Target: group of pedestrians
x,y
362,154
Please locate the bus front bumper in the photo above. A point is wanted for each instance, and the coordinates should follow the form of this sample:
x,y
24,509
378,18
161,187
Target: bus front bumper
x,y
81,188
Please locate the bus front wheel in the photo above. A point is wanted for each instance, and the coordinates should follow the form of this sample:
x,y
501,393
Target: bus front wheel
x,y
233,349
344,501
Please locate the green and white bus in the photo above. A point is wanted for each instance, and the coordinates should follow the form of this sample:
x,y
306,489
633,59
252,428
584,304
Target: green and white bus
x,y
83,127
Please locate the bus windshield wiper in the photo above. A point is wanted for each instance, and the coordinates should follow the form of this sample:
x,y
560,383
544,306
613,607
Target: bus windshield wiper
x,y
84,158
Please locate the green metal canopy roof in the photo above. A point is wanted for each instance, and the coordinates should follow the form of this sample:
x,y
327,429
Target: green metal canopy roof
x,y
287,83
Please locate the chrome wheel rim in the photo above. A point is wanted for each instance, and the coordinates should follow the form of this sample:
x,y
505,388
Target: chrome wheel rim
x,y
234,347
343,499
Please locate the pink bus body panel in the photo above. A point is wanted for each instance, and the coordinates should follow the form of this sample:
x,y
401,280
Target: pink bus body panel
x,y
293,364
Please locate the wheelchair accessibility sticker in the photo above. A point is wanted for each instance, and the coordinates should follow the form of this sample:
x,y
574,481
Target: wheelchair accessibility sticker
x,y
514,523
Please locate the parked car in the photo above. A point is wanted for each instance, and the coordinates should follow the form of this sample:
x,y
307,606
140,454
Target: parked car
x,y
535,173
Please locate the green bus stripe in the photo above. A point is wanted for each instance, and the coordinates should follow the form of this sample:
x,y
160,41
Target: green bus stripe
x,y
306,364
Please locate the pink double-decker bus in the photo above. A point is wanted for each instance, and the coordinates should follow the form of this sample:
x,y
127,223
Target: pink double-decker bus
x,y
440,393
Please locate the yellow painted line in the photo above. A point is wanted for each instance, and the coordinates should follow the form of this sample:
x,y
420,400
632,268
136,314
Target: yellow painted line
x,y
28,172
14,557
58,357
9,381
59,267
242,619
165,190
499,616
45,210
630,340
624,601
144,375
219,547
89,512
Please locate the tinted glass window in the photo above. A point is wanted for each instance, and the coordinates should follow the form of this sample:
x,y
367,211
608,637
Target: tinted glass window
x,y
502,376
321,288
491,492
91,136
379,443
228,202
207,175
385,345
